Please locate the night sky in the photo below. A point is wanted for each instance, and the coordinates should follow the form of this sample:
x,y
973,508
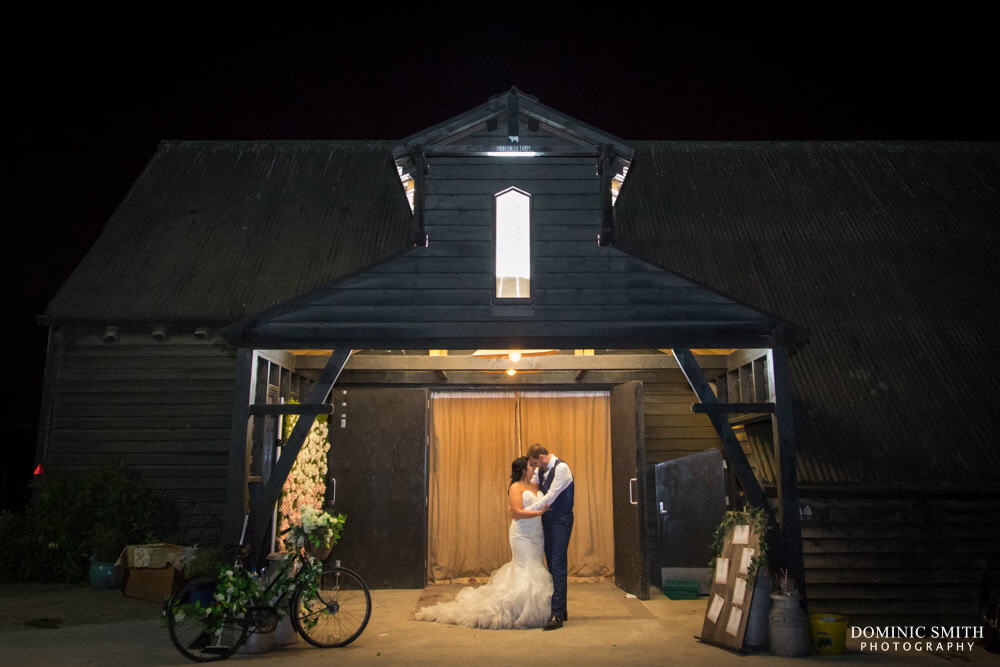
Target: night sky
x,y
90,92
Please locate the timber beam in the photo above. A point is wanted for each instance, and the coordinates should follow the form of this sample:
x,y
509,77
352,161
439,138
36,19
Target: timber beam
x,y
550,362
783,437
242,427
263,508
272,409
728,408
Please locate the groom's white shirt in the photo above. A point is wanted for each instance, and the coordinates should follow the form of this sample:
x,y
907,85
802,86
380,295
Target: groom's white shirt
x,y
562,479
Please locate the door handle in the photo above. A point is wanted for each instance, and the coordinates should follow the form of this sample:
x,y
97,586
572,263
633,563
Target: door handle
x,y
633,490
334,499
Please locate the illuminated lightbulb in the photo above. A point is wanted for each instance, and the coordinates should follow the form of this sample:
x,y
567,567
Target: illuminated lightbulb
x,y
511,371
514,356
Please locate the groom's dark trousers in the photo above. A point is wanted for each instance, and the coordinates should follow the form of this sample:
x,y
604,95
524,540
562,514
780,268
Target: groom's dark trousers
x,y
557,524
557,528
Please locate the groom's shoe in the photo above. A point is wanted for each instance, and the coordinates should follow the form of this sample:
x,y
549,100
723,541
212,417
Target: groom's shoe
x,y
554,623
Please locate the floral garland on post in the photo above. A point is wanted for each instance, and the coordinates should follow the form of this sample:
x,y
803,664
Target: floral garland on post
x,y
755,517
306,483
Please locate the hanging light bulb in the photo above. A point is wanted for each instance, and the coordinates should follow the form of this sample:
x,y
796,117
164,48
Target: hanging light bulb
x,y
511,371
514,356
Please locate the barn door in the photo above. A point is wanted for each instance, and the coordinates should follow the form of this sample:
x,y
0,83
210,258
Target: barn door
x,y
690,502
377,477
628,454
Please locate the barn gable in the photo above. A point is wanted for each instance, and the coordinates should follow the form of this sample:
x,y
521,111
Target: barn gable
x,y
573,288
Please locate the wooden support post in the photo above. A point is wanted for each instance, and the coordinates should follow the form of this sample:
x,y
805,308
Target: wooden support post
x,y
274,409
52,358
241,430
604,170
263,509
731,447
744,408
783,438
419,235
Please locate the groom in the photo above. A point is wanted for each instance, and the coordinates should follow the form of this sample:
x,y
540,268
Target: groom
x,y
555,480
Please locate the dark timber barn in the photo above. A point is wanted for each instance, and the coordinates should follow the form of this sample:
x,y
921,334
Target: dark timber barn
x,y
820,313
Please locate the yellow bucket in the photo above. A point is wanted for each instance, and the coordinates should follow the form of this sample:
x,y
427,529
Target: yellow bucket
x,y
829,633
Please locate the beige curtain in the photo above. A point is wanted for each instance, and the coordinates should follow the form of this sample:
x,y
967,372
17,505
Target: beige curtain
x,y
474,441
476,435
576,427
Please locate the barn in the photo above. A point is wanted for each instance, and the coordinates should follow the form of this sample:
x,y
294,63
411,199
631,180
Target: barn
x,y
816,316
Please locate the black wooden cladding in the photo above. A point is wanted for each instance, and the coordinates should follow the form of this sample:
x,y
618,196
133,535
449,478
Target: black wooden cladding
x,y
891,560
443,294
163,409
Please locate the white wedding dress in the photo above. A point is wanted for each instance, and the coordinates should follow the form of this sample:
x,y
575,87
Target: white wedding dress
x,y
518,594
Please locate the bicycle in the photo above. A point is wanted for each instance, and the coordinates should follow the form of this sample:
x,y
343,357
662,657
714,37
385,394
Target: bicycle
x,y
329,607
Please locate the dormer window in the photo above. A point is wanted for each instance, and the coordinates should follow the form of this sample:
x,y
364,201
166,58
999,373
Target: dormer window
x,y
617,181
409,185
513,244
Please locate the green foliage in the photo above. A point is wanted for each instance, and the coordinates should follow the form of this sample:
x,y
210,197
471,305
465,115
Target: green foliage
x,y
70,519
237,589
757,520
202,561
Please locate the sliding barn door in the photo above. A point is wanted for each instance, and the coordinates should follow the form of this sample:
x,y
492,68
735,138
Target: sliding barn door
x,y
377,477
628,453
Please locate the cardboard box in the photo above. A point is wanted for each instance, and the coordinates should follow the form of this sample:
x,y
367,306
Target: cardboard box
x,y
152,583
151,570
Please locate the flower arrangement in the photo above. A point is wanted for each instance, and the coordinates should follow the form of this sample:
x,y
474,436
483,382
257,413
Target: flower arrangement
x,y
306,483
316,531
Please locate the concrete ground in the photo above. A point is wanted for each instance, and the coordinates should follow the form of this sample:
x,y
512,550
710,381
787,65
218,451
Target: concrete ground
x,y
100,627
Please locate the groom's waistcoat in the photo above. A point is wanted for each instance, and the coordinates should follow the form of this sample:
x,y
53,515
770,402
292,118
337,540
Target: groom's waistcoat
x,y
564,503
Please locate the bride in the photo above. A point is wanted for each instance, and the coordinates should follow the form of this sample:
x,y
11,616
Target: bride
x,y
519,593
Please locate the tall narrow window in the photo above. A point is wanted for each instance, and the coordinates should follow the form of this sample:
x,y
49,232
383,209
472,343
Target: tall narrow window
x,y
513,244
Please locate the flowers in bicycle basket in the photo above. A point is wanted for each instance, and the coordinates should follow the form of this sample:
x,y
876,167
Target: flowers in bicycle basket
x,y
319,529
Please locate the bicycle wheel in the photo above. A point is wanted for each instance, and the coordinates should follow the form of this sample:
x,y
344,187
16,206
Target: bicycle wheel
x,y
338,613
188,632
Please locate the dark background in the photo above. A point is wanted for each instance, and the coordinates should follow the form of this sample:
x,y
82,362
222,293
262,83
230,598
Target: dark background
x,y
90,91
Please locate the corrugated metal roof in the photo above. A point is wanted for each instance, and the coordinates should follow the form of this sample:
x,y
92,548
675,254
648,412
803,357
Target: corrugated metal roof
x,y
887,252
219,231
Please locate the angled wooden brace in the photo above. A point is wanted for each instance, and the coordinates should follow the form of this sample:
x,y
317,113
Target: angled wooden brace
x,y
730,445
263,509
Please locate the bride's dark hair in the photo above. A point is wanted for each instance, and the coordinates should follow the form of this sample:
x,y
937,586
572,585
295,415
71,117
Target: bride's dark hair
x,y
517,468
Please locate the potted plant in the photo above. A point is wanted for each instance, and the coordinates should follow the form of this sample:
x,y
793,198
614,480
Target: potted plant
x,y
106,543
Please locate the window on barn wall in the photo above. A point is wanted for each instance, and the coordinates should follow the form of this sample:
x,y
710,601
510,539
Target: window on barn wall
x,y
409,185
513,244
617,181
